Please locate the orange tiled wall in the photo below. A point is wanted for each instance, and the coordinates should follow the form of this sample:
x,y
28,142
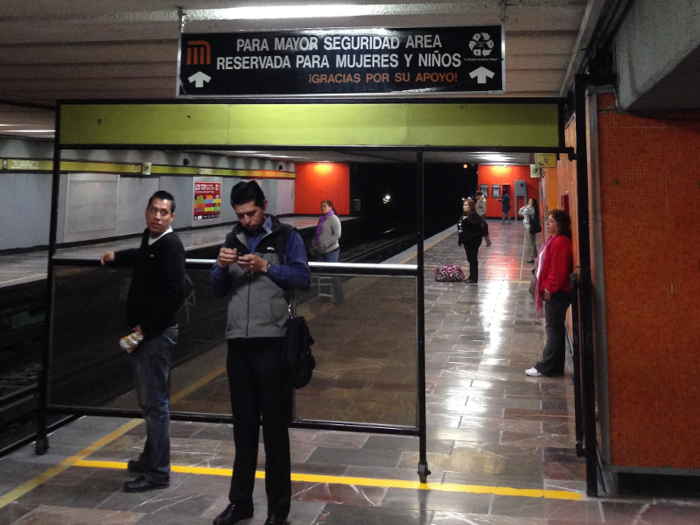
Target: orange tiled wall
x,y
507,175
563,180
650,193
551,187
566,186
320,181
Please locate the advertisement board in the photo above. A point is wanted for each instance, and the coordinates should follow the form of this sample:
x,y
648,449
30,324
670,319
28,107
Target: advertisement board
x,y
207,200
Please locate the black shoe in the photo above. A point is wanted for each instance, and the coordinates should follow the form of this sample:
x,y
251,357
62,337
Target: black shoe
x,y
134,467
276,519
143,484
470,280
233,514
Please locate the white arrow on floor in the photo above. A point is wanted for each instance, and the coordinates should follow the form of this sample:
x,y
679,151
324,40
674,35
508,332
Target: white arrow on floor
x,y
200,78
481,74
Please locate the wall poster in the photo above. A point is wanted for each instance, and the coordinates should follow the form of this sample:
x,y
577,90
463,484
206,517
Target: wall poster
x,y
207,200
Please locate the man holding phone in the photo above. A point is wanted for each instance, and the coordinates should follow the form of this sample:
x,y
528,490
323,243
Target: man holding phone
x,y
258,268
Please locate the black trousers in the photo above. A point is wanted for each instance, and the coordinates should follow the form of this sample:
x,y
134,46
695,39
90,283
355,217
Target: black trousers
x,y
260,386
471,247
554,355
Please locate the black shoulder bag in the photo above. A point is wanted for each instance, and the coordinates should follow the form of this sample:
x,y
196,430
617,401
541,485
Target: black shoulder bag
x,y
298,340
297,350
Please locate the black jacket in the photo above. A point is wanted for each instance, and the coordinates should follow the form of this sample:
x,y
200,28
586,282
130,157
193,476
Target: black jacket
x,y
469,227
157,288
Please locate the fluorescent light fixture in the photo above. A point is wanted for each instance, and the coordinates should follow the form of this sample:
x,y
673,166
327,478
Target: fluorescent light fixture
x,y
283,11
494,157
260,154
30,131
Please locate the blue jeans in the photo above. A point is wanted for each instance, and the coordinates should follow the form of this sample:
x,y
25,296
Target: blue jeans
x,y
151,365
336,283
554,354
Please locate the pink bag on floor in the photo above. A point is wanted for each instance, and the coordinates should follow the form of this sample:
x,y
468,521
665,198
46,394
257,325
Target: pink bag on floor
x,y
449,273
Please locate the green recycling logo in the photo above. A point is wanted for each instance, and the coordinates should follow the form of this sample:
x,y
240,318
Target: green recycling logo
x,y
481,45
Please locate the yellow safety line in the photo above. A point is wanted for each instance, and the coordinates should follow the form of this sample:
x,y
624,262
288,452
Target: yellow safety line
x,y
65,464
80,456
366,482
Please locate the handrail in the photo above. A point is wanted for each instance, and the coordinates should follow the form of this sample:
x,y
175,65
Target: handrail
x,y
392,270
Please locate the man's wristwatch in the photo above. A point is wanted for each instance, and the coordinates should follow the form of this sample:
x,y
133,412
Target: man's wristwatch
x,y
267,267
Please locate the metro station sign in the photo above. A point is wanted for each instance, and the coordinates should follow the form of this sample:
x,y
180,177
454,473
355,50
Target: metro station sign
x,y
343,62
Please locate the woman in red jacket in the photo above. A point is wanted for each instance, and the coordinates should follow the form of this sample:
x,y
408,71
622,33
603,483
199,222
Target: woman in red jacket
x,y
553,269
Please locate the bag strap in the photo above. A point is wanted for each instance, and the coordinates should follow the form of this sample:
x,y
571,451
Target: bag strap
x,y
292,305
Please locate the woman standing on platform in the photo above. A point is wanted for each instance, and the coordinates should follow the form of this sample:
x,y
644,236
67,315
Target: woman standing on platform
x,y
531,215
505,207
481,210
469,231
553,285
326,243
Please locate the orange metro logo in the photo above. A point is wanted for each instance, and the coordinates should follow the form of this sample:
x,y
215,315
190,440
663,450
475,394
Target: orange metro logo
x,y
198,53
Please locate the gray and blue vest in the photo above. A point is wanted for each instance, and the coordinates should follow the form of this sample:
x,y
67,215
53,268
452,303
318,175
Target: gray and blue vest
x,y
257,307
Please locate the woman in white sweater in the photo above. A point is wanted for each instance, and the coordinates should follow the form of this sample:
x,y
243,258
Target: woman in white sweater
x,y
327,234
531,215
481,210
326,243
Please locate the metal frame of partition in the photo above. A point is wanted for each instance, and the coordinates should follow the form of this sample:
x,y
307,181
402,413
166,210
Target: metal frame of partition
x,y
587,441
416,271
355,270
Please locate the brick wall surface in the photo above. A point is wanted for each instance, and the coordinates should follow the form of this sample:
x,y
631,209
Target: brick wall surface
x,y
650,191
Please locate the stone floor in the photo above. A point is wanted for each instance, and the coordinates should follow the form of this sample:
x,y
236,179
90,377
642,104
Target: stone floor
x,y
500,445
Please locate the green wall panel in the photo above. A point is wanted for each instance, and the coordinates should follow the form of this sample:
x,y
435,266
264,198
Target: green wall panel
x,y
319,124
143,124
518,125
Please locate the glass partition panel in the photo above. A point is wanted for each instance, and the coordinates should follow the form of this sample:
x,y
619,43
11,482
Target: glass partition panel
x,y
365,350
364,327
89,369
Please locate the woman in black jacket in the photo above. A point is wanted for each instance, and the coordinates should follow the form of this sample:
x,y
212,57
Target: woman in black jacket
x,y
469,230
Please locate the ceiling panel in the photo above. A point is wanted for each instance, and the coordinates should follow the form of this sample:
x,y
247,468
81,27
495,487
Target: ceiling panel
x,y
63,85
50,96
78,71
60,49
544,43
133,52
558,62
25,32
